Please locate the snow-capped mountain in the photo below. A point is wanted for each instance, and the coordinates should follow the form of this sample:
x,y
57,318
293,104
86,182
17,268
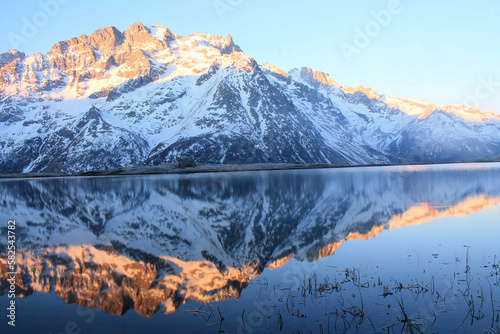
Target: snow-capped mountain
x,y
148,96
155,242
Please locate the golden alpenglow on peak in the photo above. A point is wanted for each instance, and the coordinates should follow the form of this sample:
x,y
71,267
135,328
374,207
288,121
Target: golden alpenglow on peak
x,y
274,68
137,35
316,77
370,93
136,28
324,78
150,82
104,38
155,177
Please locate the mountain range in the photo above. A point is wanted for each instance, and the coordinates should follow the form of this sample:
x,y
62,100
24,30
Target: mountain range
x,y
147,96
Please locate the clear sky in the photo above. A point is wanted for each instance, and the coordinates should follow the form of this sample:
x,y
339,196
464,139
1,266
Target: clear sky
x,y
442,51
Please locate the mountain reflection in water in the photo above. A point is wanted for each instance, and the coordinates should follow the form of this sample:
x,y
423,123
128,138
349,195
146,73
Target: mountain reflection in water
x,y
153,243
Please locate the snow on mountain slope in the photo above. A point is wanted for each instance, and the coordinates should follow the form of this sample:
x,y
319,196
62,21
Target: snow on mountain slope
x,y
425,109
148,96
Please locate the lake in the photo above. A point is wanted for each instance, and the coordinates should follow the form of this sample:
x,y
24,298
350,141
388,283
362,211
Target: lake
x,y
376,249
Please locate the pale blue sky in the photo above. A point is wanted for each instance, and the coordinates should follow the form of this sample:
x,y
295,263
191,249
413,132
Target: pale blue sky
x,y
443,51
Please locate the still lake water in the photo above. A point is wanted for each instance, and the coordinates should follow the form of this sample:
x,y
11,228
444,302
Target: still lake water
x,y
387,249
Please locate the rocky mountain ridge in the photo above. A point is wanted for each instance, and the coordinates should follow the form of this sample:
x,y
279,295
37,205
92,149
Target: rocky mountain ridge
x,y
148,96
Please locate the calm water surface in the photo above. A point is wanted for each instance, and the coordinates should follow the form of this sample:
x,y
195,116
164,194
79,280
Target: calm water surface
x,y
361,250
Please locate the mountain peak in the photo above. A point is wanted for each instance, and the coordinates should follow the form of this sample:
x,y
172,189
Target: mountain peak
x,y
424,109
370,93
9,56
104,38
15,53
274,69
140,37
137,33
229,46
314,77
137,27
161,32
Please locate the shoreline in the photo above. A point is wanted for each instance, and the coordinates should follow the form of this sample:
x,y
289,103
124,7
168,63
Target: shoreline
x,y
214,168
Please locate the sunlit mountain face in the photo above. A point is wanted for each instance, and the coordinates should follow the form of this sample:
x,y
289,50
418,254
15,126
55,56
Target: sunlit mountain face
x,y
155,243
147,96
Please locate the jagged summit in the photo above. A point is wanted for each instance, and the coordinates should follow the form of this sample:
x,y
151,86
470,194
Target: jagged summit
x,y
104,38
229,46
10,56
370,93
314,77
95,64
274,69
149,96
